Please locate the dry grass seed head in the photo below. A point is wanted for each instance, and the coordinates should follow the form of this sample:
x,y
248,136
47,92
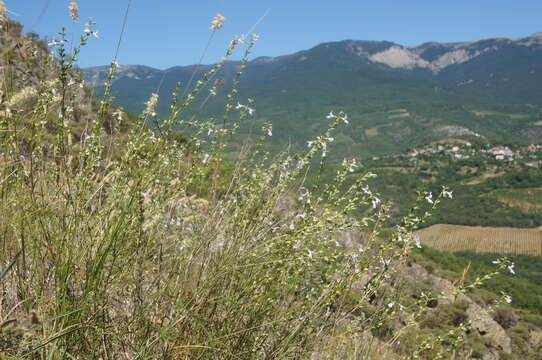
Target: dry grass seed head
x,y
74,10
217,22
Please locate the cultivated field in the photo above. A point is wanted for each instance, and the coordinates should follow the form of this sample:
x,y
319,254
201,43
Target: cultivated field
x,y
371,132
456,238
494,113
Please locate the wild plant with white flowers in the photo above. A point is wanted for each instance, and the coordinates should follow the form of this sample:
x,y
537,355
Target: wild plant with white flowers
x,y
124,238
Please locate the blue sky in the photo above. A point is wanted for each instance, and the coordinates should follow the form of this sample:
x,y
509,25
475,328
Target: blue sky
x,y
165,33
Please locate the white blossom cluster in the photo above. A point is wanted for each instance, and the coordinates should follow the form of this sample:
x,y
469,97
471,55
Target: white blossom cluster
x,y
151,105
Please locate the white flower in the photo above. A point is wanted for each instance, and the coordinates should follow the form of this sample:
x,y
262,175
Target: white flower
x,y
303,193
511,269
391,304
151,105
496,262
56,42
88,30
205,158
310,143
254,37
447,193
345,118
350,164
118,114
330,115
429,197
310,254
268,129
507,299
417,242
353,257
241,106
375,202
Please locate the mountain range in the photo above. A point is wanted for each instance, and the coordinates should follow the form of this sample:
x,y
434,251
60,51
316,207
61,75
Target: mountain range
x,y
397,96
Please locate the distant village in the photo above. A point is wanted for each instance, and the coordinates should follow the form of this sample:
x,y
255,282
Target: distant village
x,y
530,155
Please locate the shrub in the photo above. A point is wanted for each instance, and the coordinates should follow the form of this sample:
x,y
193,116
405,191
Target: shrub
x,y
446,315
505,316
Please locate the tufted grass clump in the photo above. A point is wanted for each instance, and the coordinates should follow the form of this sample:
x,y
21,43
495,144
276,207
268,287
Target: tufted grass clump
x,y
122,238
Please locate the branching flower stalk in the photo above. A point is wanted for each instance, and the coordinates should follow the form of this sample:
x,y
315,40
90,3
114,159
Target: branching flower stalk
x,y
232,95
190,97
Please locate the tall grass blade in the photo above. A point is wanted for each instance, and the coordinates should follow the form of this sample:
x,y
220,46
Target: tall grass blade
x,y
8,268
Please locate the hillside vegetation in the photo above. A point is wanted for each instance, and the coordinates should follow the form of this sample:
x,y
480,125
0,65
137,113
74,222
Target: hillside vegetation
x,y
490,189
128,237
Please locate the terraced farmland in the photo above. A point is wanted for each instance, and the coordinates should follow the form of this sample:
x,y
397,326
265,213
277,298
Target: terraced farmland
x,y
529,199
455,238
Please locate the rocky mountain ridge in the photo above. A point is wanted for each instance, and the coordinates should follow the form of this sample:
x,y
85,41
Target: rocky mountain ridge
x,y
437,84
433,56
437,56
499,70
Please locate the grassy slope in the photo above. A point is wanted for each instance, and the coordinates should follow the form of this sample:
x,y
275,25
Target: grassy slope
x,y
179,259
